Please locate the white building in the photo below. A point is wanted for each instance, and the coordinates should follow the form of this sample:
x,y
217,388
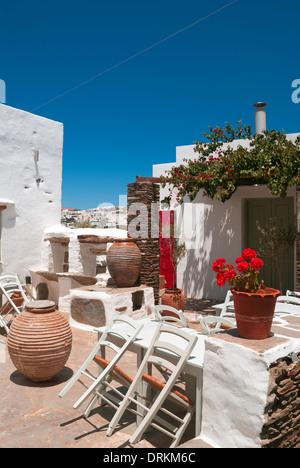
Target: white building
x,y
31,150
212,229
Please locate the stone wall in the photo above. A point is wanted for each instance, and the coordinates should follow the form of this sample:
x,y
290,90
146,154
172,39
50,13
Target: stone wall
x,y
282,413
143,226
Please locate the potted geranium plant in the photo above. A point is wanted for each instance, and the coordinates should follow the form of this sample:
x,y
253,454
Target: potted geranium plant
x,y
254,303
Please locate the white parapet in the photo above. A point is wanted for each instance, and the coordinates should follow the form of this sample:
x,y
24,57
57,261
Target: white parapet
x,y
235,387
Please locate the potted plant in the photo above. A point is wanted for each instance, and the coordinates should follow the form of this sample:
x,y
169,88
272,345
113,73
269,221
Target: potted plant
x,y
174,297
254,303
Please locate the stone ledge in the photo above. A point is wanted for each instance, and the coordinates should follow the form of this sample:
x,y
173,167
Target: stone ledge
x,y
81,279
112,289
231,336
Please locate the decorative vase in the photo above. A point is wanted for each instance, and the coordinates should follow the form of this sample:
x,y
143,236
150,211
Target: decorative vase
x,y
124,262
254,312
173,298
39,341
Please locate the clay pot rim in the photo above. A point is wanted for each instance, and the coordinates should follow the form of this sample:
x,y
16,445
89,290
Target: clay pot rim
x,y
40,307
41,311
271,292
124,239
173,290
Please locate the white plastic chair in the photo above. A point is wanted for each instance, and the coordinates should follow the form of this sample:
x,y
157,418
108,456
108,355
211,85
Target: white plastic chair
x,y
220,322
107,370
177,318
171,347
288,304
289,299
226,308
15,298
293,293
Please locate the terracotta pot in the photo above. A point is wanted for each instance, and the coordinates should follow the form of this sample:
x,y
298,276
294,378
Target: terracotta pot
x,y
173,298
39,341
124,262
254,313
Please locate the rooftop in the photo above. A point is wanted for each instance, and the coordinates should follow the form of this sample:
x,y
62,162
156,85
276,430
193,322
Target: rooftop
x,y
38,418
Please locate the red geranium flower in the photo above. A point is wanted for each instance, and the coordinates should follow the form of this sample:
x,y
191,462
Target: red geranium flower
x,y
218,264
242,266
256,263
247,254
220,279
248,266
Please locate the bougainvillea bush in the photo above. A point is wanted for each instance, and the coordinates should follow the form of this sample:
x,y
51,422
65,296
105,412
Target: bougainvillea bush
x,y
269,158
246,278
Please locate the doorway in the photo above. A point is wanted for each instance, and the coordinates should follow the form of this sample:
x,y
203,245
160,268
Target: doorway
x,y
261,210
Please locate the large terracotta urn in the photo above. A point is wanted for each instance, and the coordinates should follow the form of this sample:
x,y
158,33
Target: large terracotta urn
x,y
254,312
123,260
39,341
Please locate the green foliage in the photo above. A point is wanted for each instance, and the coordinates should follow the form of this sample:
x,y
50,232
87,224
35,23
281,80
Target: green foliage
x,y
270,158
177,251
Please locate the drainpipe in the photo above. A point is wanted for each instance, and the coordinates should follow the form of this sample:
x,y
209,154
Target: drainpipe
x,y
260,117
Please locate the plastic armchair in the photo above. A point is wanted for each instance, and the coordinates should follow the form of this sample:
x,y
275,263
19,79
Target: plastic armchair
x,y
15,298
169,344
106,371
177,317
227,307
221,324
288,304
289,299
293,293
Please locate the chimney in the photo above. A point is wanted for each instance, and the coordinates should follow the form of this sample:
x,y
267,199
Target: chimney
x,y
260,117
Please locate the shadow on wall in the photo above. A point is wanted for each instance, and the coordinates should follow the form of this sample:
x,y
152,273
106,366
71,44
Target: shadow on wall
x,y
220,239
9,217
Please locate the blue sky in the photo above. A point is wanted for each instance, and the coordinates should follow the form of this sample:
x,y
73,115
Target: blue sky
x,y
120,124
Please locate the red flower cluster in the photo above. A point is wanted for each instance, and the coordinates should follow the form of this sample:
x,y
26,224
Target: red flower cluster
x,y
255,263
248,254
248,266
224,272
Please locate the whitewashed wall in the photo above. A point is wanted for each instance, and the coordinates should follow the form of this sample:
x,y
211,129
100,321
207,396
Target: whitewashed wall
x,y
210,229
33,187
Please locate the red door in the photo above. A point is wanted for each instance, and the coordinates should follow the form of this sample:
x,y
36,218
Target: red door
x,y
166,241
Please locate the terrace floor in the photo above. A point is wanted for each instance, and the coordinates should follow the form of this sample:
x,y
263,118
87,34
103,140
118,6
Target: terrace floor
x,y
33,416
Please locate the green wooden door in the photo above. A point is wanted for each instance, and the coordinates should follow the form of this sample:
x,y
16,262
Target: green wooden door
x,y
261,210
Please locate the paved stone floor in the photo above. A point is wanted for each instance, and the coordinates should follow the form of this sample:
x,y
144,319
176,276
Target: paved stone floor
x,y
32,415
